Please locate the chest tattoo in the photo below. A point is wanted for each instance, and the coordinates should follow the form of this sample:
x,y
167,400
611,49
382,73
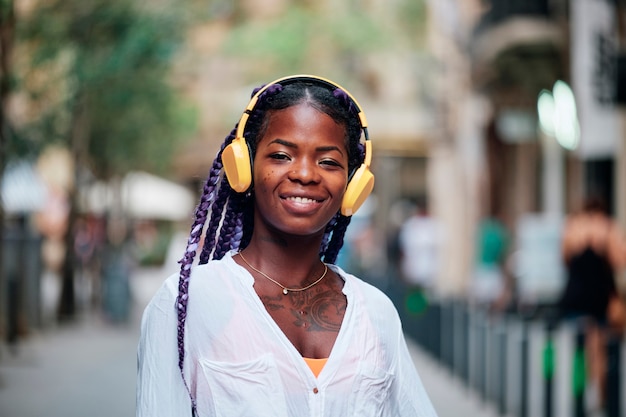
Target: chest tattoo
x,y
311,311
322,311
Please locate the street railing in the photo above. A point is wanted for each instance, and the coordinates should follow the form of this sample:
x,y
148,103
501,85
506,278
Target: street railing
x,y
525,365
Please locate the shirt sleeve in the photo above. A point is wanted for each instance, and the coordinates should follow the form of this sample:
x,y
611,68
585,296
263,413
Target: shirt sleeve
x,y
409,397
161,391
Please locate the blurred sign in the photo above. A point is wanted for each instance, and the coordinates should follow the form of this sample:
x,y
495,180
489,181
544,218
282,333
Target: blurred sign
x,y
538,265
516,126
593,47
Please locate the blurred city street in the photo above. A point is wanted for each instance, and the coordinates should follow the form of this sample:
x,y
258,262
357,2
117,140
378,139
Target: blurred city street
x,y
497,225
88,369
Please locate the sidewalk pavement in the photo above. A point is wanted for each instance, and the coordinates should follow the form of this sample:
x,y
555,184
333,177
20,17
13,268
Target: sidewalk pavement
x,y
88,369
450,397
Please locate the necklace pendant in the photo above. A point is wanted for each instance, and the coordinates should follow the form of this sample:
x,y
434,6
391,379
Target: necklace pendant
x,y
285,291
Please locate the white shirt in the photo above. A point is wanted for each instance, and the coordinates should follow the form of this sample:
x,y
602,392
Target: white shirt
x,y
238,362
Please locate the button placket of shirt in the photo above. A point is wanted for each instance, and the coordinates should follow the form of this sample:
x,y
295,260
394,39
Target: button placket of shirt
x,y
316,400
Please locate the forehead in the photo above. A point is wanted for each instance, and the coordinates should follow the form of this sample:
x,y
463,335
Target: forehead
x,y
304,119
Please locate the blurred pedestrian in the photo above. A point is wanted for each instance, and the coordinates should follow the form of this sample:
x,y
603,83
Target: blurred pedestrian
x,y
119,261
266,324
87,251
489,284
594,250
420,240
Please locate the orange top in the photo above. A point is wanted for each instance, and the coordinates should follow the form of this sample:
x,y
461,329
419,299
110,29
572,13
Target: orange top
x,y
316,365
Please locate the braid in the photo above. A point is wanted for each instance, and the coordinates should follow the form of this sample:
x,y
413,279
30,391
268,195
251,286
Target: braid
x,y
327,235
325,240
207,202
217,214
230,235
208,195
185,268
336,241
209,238
247,222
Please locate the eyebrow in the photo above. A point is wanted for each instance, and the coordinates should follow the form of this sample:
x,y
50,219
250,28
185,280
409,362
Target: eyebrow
x,y
319,148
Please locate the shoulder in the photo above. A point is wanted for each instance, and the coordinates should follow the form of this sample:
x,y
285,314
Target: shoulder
x,y
370,300
207,278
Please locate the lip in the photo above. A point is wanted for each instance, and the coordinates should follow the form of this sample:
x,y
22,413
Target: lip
x,y
301,204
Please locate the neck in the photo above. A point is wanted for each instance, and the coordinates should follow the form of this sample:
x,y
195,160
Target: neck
x,y
294,261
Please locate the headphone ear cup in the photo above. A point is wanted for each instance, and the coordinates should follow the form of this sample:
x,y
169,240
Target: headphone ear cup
x,y
359,188
236,163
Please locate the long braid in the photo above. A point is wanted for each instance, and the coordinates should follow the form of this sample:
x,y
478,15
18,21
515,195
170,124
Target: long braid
x,y
337,238
205,205
215,175
217,216
209,194
328,232
247,223
186,262
230,235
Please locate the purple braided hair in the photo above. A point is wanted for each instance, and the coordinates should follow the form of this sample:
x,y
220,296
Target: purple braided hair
x,y
219,205
345,100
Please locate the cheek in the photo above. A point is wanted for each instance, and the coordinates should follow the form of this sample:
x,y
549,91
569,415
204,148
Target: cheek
x,y
266,179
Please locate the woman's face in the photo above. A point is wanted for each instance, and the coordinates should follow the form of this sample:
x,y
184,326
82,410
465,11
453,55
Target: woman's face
x,y
300,172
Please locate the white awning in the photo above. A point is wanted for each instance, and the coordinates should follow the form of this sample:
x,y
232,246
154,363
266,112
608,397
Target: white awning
x,y
23,191
143,196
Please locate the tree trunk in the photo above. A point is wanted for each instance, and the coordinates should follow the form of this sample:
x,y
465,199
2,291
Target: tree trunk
x,y
7,36
78,142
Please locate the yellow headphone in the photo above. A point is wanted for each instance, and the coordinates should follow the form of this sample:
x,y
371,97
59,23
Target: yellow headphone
x,y
238,167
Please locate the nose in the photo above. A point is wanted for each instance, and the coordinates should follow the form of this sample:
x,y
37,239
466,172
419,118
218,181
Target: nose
x,y
305,171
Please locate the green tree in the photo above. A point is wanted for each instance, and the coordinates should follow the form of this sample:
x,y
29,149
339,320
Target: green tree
x,y
99,79
107,84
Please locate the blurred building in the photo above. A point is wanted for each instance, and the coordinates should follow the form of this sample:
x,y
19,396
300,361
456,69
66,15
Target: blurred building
x,y
497,57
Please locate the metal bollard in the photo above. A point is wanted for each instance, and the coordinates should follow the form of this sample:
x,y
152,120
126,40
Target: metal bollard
x,y
502,386
482,358
579,375
523,412
548,371
613,382
461,341
443,333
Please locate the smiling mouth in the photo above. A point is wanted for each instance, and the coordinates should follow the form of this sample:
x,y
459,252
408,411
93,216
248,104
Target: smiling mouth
x,y
303,200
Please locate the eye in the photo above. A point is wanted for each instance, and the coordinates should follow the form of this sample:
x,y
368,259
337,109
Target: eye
x,y
331,163
280,156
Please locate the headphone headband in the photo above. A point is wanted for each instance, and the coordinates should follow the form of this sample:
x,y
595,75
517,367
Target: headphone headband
x,y
299,78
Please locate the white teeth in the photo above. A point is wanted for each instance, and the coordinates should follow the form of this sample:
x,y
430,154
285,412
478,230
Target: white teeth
x,y
302,200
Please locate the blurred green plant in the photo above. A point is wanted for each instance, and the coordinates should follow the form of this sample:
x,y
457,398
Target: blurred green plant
x,y
301,35
97,80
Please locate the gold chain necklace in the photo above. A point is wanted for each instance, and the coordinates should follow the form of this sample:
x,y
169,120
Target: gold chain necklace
x,y
285,289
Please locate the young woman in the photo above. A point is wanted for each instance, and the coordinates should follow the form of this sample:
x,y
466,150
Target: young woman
x,y
265,324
